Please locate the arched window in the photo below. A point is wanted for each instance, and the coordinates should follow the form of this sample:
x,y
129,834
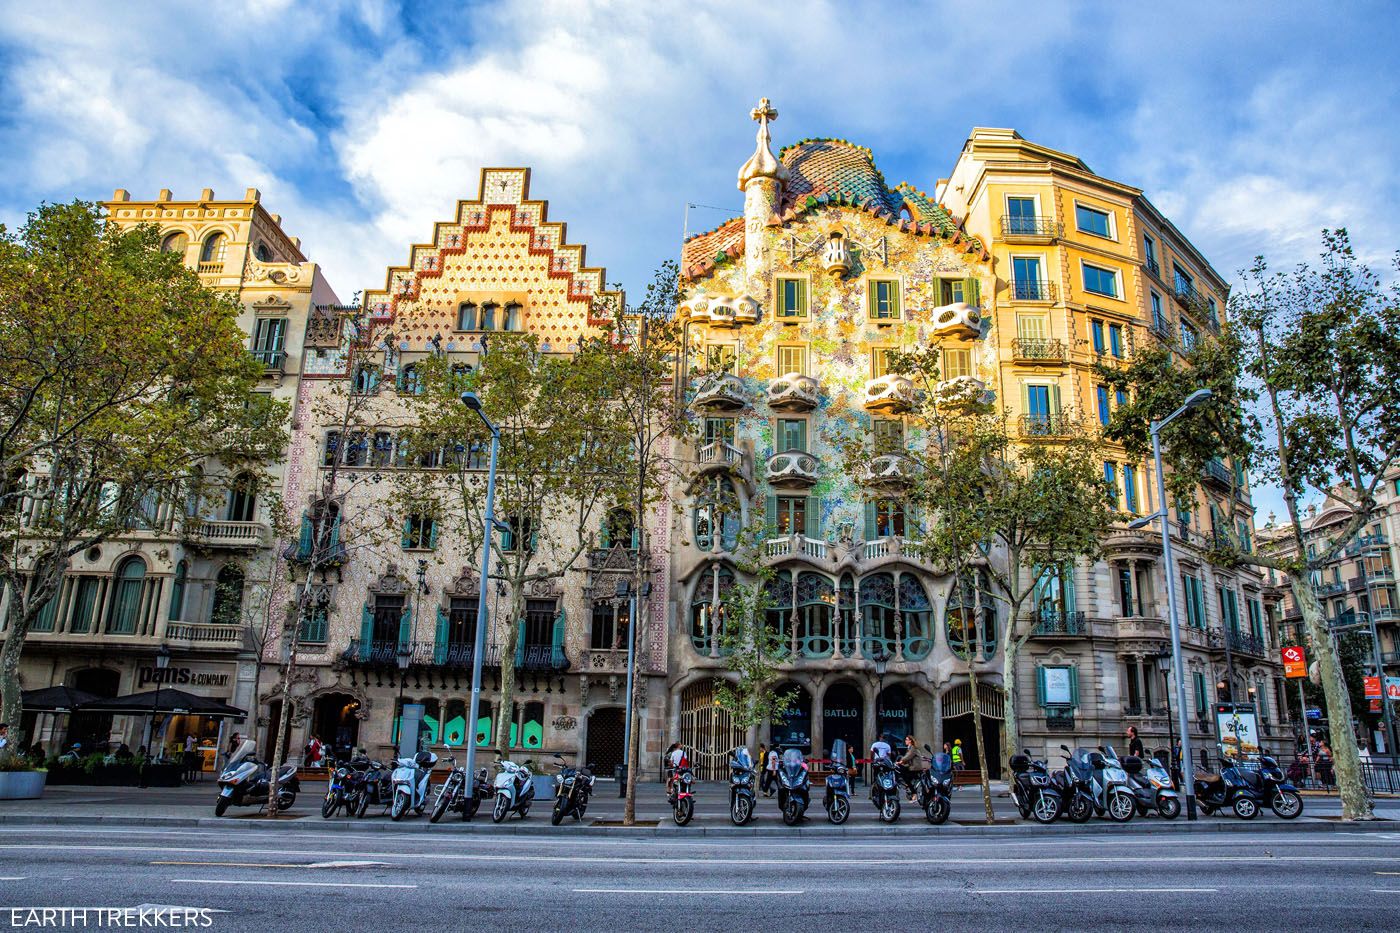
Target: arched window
x,y
228,596
816,602
243,498
175,243
177,592
215,246
366,379
488,316
261,253
916,616
466,316
410,379
619,528
126,597
717,516
964,628
510,316
779,616
877,605
707,610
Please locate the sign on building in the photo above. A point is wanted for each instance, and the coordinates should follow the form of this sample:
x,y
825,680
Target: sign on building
x,y
1295,661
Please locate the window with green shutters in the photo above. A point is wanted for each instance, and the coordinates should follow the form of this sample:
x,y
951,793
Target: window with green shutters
x,y
1256,618
885,518
1229,609
419,532
888,435
794,515
1195,602
719,429
1202,698
792,298
791,435
883,300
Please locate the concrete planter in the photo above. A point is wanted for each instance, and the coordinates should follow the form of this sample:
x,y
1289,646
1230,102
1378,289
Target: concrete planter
x,y
22,785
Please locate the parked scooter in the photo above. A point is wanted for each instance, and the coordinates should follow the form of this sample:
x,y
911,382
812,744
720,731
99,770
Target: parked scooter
x,y
515,791
741,780
458,794
244,782
884,790
794,787
1273,788
681,795
934,788
837,799
1152,787
571,791
411,784
1107,782
1076,796
1230,788
340,789
374,786
1032,789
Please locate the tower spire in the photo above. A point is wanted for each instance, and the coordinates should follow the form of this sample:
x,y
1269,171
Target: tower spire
x,y
762,164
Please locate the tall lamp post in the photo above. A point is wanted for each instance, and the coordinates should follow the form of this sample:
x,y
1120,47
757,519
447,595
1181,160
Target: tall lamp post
x,y
1164,664
162,662
882,661
471,400
1199,397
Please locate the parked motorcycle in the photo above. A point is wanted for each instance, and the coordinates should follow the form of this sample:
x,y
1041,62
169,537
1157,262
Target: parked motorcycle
x,y
1152,787
340,790
373,786
934,788
884,790
1033,790
681,795
1268,781
515,791
741,780
244,782
1230,788
837,799
410,778
571,791
457,794
794,787
1107,782
1076,797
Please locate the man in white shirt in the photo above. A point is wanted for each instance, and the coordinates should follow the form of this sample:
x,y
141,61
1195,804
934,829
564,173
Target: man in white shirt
x,y
880,748
770,775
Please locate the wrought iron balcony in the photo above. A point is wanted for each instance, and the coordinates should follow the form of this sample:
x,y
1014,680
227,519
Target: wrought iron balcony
x,y
1161,328
1032,290
1153,266
1332,587
1041,229
274,360
1059,720
1059,424
1219,472
452,656
1366,543
1059,623
1039,349
1244,643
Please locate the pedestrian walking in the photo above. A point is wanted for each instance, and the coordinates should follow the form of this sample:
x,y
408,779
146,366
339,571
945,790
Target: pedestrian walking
x,y
770,772
762,763
957,754
191,758
1134,743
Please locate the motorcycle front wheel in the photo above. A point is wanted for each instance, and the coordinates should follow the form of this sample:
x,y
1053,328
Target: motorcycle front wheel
x,y
889,810
741,810
1246,808
1286,804
685,809
557,816
362,806
1121,808
221,806
1046,809
839,810
399,808
443,802
1080,810
330,805
792,813
1169,808
936,810
501,810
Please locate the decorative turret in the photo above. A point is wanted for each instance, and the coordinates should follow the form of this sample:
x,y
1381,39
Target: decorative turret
x,y
762,164
761,179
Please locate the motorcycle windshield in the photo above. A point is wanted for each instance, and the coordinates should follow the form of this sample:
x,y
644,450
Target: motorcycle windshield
x,y
942,763
838,753
793,766
244,750
742,759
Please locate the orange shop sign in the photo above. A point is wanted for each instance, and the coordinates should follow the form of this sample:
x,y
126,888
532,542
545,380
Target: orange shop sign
x,y
1295,661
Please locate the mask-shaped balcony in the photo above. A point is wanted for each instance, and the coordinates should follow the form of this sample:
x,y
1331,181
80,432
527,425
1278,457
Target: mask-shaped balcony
x,y
793,392
722,457
890,393
957,319
889,471
962,392
746,310
720,392
792,468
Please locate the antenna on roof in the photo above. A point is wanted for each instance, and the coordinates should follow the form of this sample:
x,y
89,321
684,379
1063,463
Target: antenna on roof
x,y
685,225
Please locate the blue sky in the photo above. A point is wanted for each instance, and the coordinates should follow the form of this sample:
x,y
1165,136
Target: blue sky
x,y
1252,125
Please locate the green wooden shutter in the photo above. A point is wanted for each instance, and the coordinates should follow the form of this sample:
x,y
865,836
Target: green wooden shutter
x,y
606,536
871,521
557,657
520,643
1067,585
432,532
367,625
770,514
972,293
802,435
304,544
407,541
406,625
1040,686
1055,399
814,517
1074,686
440,643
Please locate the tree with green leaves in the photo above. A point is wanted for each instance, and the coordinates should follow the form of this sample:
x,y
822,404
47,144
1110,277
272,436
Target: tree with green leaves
x,y
752,651
127,387
1306,383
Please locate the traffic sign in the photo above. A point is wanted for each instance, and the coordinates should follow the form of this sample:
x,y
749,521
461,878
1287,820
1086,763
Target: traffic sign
x,y
1372,687
1295,661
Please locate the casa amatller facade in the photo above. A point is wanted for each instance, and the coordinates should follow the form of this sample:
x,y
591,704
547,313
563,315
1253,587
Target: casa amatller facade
x,y
1023,266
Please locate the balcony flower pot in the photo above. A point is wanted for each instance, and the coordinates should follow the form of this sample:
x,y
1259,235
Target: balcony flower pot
x,y
22,785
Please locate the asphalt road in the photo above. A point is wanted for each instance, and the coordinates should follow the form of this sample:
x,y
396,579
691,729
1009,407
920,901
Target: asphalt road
x,y
294,878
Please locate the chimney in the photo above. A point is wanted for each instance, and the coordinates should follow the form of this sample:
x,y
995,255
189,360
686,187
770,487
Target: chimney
x,y
206,194
121,194
164,195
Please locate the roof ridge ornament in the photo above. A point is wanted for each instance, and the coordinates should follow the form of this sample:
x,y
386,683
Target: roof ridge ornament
x,y
762,164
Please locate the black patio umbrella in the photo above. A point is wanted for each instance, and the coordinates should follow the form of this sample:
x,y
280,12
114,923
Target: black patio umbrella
x,y
165,700
57,699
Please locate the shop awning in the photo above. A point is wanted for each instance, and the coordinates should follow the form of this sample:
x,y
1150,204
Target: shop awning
x,y
165,700
59,699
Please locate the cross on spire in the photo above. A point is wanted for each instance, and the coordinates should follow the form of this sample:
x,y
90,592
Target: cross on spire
x,y
764,112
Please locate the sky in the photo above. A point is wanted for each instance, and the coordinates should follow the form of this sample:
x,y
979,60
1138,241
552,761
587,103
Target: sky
x,y
1251,125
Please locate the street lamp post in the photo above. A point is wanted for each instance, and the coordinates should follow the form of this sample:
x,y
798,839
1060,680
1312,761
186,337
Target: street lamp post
x,y
162,662
471,400
882,661
1200,396
403,658
1164,664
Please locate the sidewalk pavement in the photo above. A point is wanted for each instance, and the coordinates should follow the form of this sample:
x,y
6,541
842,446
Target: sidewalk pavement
x,y
193,805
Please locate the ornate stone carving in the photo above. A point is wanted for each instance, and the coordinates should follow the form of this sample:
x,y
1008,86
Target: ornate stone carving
x,y
390,583
564,723
957,318
892,393
890,471
793,392
792,468
465,584
721,391
836,256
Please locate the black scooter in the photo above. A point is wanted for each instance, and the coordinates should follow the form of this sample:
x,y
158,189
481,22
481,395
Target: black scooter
x,y
1273,788
454,796
373,786
884,790
794,787
934,789
1033,791
1228,789
741,779
837,799
245,781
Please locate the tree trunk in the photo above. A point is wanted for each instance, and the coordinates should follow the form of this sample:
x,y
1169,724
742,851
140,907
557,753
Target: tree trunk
x,y
1346,760
284,722
505,715
633,753
10,705
977,709
1010,739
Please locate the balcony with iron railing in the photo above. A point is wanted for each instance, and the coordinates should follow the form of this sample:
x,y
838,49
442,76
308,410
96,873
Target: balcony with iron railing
x,y
1039,350
1218,471
1161,328
1245,643
1153,266
1059,424
1390,657
1059,720
274,361
1059,623
1032,290
1021,229
451,655
1331,587
1367,542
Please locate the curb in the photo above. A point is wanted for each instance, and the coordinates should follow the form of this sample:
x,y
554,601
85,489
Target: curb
x,y
1227,825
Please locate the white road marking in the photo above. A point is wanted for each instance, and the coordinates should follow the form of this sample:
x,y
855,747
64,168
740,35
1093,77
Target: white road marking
x,y
290,884
1096,891
12,877
671,891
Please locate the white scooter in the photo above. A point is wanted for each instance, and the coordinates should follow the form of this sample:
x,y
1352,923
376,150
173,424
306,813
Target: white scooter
x,y
514,791
410,780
